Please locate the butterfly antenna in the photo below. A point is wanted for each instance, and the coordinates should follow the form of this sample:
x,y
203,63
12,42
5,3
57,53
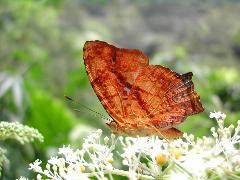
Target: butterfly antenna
x,y
75,102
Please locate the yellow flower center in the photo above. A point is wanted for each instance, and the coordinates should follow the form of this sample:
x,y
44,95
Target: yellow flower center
x,y
110,160
175,152
82,168
161,159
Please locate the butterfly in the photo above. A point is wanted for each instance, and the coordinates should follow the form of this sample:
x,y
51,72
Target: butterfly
x,y
141,99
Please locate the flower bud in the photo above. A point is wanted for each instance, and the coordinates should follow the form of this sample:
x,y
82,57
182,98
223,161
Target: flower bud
x,y
106,139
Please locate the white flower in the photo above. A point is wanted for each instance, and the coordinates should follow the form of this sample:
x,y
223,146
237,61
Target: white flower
x,y
217,115
178,175
76,176
35,166
39,177
194,162
53,160
216,156
65,150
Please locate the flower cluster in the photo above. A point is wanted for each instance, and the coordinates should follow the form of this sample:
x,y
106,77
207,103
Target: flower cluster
x,y
94,159
217,156
21,133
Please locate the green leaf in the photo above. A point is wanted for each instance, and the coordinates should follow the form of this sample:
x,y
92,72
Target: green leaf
x,y
51,117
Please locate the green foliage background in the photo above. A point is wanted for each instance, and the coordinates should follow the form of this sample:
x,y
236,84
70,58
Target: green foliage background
x,y
41,61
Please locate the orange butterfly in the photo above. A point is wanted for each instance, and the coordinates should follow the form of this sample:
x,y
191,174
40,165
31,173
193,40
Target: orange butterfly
x,y
142,99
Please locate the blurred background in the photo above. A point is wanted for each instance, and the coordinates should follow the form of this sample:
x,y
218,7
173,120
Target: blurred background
x,y
41,45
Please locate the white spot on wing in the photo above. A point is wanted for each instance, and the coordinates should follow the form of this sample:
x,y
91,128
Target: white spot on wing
x,y
127,90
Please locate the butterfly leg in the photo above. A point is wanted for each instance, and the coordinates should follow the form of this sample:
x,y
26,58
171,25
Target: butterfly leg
x,y
127,129
113,126
167,133
171,133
